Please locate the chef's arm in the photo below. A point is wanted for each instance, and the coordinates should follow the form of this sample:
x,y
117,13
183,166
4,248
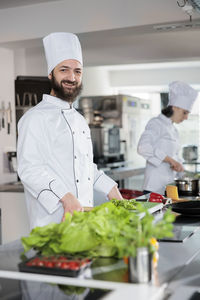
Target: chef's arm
x,y
115,194
105,184
175,165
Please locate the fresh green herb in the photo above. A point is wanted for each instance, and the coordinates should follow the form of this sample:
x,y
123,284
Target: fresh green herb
x,y
128,204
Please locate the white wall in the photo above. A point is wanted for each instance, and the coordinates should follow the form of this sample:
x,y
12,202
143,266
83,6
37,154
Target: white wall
x,y
96,81
159,74
7,141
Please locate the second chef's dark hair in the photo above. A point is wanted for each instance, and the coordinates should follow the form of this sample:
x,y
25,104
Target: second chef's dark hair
x,y
167,111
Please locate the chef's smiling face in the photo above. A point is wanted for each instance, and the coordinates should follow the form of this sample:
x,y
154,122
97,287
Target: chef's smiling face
x,y
179,114
66,80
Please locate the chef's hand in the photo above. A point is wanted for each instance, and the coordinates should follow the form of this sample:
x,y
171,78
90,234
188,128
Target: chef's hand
x,y
115,193
70,204
175,165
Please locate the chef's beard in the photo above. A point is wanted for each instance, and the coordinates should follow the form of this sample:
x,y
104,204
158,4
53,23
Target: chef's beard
x,y
64,94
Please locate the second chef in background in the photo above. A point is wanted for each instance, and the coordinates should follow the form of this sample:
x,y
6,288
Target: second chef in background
x,y
159,143
55,156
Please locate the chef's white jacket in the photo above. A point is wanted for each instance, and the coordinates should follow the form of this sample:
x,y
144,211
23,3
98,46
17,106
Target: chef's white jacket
x,y
55,156
160,139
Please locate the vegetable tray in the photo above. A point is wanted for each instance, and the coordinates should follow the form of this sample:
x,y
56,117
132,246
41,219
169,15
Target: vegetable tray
x,y
55,265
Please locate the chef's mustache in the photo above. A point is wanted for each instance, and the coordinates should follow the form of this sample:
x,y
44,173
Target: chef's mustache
x,y
69,82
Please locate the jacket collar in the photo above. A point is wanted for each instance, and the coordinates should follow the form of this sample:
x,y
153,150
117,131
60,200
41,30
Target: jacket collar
x,y
165,119
57,102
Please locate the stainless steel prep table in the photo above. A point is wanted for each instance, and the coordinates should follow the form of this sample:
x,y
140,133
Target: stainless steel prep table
x,y
174,268
114,281
177,258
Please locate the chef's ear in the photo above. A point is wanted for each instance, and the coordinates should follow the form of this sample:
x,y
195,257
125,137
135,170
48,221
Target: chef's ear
x,y
50,76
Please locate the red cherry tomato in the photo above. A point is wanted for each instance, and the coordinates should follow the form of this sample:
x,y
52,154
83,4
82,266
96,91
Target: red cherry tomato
x,y
73,265
49,264
64,265
58,264
40,263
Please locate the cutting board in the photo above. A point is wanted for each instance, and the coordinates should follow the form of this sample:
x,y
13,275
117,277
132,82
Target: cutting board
x,y
180,200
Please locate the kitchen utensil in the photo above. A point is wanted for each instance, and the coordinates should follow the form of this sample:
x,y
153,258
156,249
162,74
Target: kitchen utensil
x,y
187,186
27,98
9,117
35,99
140,267
3,115
17,100
189,208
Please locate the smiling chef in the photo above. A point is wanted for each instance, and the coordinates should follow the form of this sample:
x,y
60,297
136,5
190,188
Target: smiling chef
x,y
55,156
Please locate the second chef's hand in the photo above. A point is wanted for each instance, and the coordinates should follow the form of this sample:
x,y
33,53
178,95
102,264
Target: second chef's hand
x,y
70,204
175,165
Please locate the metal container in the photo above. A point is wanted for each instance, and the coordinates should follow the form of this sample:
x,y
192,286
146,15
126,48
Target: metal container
x,y
140,267
188,186
190,153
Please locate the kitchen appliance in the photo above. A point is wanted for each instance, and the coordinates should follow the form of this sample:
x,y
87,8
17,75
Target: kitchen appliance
x,y
127,116
106,143
187,186
190,153
103,117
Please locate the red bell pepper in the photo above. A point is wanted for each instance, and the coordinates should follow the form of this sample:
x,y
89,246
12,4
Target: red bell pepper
x,y
154,197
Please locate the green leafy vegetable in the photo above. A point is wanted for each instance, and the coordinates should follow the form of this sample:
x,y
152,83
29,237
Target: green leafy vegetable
x,y
108,230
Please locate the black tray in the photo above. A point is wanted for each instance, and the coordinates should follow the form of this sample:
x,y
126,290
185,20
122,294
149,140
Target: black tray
x,y
24,267
189,208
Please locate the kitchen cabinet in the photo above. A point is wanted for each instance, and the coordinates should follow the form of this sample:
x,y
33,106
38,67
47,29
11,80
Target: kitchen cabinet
x,y
14,217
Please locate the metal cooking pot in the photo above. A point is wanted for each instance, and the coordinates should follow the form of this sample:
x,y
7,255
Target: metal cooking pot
x,y
187,186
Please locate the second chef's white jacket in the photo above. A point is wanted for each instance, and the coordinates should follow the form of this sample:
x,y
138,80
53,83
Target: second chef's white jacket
x,y
160,139
55,156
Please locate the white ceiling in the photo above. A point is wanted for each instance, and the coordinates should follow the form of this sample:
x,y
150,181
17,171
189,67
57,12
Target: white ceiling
x,y
16,3
130,38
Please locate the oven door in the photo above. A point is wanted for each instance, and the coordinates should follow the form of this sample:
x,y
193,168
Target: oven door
x,y
113,141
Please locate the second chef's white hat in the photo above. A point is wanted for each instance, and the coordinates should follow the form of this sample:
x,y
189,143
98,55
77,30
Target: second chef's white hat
x,y
181,95
60,46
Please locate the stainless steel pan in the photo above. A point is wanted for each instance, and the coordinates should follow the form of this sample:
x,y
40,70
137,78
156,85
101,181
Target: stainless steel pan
x,y
188,186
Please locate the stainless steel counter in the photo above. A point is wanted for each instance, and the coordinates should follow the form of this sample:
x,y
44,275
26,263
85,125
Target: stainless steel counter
x,y
15,187
108,276
116,174
124,172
